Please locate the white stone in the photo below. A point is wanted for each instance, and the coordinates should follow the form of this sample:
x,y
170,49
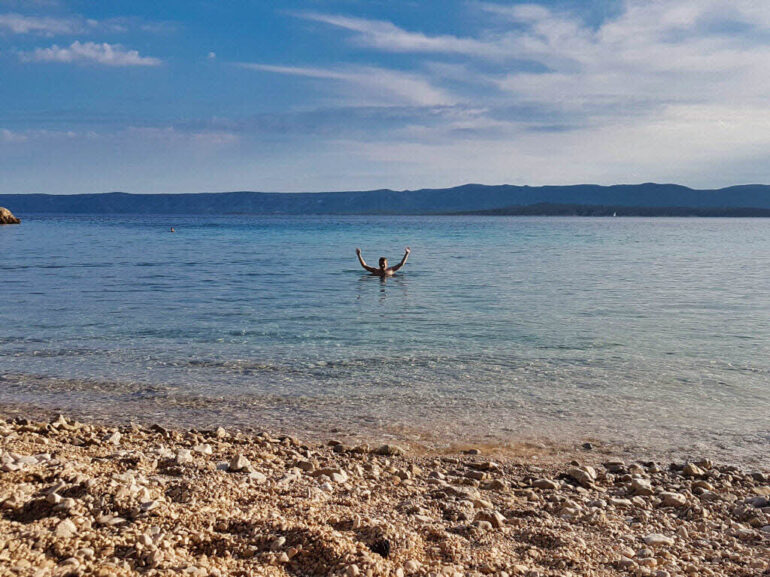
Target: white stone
x,y
53,498
673,499
239,463
65,529
657,539
183,457
113,439
641,486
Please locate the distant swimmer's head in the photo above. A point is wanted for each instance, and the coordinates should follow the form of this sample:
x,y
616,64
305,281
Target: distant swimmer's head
x,y
383,262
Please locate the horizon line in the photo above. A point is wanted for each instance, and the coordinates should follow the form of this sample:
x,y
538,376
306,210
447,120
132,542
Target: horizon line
x,y
648,183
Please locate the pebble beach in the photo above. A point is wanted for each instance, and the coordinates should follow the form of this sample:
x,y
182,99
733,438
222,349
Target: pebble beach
x,y
79,498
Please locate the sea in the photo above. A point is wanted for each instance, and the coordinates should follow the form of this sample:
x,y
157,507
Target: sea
x,y
645,334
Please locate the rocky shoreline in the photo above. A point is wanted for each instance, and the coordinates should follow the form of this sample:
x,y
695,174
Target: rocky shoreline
x,y
85,499
7,217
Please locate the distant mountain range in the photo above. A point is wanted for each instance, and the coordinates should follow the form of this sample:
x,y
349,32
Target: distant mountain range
x,y
586,199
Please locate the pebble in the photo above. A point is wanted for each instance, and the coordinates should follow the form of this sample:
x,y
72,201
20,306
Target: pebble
x,y
239,463
257,477
389,450
641,487
203,449
657,539
53,498
114,438
673,499
183,457
65,529
494,518
60,422
585,476
336,475
692,470
311,510
305,465
545,484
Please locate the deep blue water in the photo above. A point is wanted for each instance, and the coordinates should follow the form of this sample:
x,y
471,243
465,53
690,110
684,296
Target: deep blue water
x,y
653,332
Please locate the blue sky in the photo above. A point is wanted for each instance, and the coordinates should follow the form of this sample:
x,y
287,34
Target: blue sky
x,y
339,95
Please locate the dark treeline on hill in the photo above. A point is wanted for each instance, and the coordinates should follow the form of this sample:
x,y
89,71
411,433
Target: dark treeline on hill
x,y
547,209
460,199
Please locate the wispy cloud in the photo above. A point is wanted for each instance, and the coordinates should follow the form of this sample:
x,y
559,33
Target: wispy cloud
x,y
388,37
169,135
649,55
371,85
653,53
46,26
671,90
90,53
681,84
176,136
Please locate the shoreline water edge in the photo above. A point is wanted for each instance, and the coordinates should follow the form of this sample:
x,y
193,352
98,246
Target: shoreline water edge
x,y
78,498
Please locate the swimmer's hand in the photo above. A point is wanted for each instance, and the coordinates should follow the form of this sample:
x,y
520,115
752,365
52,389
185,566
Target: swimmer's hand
x,y
363,262
407,250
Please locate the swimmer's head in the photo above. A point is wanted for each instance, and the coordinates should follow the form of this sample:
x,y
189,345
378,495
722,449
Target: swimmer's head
x,y
383,262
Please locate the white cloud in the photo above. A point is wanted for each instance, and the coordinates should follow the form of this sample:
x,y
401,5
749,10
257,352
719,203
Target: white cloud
x,y
653,53
11,136
21,24
703,146
370,85
648,55
162,135
48,26
90,52
388,37
672,90
172,135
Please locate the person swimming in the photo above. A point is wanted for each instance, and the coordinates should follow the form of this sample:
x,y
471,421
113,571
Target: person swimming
x,y
383,270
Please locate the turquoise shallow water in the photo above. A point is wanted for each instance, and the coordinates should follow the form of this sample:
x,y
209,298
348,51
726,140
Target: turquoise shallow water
x,y
649,332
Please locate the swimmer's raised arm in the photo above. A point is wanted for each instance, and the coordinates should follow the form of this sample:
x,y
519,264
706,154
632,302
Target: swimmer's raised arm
x,y
363,263
403,260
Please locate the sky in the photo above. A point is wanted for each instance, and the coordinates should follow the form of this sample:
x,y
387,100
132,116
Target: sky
x,y
320,95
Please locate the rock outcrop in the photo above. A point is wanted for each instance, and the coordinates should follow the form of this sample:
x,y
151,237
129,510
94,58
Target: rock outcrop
x,y
6,217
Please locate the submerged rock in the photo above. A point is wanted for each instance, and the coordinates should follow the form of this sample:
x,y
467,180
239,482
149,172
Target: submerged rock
x,y
6,217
